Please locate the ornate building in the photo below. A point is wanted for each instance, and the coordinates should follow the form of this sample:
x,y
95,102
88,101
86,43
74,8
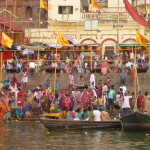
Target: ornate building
x,y
111,24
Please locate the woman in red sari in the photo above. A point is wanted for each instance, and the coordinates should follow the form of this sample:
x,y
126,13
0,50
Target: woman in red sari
x,y
66,102
140,102
84,98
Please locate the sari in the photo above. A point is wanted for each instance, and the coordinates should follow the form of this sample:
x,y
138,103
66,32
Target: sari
x,y
66,103
3,110
84,98
14,80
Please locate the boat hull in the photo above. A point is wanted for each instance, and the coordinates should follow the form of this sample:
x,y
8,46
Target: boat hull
x,y
136,122
52,124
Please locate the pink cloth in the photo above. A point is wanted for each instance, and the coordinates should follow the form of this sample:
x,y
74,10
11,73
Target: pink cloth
x,y
84,98
66,103
6,101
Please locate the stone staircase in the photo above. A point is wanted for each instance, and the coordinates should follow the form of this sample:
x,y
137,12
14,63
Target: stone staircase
x,y
40,77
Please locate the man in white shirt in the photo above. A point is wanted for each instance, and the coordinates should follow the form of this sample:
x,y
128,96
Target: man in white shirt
x,y
124,89
97,115
126,104
131,55
32,67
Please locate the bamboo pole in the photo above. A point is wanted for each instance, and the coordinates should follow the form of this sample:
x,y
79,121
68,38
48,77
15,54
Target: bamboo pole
x,y
149,54
1,69
149,61
135,83
55,73
38,56
91,18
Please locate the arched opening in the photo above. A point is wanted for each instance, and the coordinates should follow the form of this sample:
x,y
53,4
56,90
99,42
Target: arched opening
x,y
29,12
108,47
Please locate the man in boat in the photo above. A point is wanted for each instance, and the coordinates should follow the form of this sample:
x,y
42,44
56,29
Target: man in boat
x,y
97,114
104,115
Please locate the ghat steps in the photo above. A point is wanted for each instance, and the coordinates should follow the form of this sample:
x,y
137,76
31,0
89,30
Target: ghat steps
x,y
40,77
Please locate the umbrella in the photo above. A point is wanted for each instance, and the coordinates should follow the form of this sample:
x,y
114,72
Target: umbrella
x,y
27,51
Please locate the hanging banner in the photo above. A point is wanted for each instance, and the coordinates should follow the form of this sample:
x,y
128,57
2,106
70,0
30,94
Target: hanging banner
x,y
135,15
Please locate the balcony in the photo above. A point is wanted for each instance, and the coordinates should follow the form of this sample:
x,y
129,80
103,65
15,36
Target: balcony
x,y
105,16
142,2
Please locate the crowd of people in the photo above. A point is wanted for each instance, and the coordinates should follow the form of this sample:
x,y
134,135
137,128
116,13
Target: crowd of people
x,y
78,101
81,103
76,63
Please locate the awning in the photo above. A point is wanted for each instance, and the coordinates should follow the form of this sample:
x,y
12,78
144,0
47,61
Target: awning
x,y
85,3
33,47
132,44
54,46
93,45
89,54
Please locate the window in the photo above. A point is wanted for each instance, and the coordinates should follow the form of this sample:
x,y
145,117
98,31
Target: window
x,y
65,10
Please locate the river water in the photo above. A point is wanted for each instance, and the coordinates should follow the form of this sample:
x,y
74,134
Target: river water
x,y
34,136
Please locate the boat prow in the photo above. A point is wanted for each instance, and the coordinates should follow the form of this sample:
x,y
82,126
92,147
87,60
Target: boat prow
x,y
136,122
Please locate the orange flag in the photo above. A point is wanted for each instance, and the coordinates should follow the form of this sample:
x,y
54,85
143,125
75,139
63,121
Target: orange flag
x,y
95,4
44,5
140,39
62,40
6,40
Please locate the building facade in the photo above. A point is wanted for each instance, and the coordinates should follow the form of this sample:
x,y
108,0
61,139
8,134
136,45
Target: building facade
x,y
27,12
73,18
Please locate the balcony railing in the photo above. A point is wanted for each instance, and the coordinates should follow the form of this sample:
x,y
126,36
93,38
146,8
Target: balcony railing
x,y
142,2
102,16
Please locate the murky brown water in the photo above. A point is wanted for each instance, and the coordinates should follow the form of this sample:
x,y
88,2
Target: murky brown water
x,y
34,136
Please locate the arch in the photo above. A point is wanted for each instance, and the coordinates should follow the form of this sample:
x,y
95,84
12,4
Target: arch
x,y
88,39
29,11
108,39
129,39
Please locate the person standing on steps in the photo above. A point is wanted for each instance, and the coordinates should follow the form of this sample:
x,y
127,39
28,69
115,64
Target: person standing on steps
x,y
92,80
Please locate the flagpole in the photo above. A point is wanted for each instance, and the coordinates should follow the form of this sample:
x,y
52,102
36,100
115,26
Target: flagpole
x,y
91,36
1,71
149,54
135,81
55,73
38,56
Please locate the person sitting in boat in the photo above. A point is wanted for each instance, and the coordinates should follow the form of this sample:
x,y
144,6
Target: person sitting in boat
x,y
90,113
85,114
77,112
63,113
97,114
71,114
104,115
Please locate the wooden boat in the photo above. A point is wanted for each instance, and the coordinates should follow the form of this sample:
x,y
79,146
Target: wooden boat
x,y
52,124
136,122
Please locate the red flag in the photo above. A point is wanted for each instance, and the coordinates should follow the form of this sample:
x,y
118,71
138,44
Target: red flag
x,y
135,15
